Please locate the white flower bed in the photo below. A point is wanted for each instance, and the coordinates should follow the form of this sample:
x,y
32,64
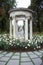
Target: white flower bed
x,y
36,42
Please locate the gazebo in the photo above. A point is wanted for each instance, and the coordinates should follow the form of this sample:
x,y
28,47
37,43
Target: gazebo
x,y
21,23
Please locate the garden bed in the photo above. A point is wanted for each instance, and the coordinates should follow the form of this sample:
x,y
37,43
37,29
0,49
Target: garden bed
x,y
8,44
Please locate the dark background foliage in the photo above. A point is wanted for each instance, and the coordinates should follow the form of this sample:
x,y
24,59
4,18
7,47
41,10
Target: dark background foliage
x,y
5,6
37,6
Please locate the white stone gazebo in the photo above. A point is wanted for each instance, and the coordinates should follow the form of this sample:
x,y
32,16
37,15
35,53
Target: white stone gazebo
x,y
21,23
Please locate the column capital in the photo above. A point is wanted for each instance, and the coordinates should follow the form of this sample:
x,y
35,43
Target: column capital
x,y
29,17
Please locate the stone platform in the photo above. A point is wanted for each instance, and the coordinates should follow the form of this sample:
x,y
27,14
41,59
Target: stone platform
x,y
21,58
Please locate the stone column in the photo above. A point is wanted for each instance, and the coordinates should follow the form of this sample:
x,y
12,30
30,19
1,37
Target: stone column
x,y
30,29
14,32
26,29
10,28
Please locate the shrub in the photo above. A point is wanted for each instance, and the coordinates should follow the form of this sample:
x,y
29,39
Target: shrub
x,y
6,43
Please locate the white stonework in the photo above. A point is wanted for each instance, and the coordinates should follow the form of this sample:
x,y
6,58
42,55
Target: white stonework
x,y
26,29
14,32
31,29
10,29
20,32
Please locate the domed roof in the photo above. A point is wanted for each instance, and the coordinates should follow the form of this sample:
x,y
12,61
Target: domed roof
x,y
21,9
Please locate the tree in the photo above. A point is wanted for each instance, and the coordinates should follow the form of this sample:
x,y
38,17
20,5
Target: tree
x,y
5,6
37,6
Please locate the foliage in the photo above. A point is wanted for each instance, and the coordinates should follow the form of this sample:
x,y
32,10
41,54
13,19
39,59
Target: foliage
x,y
7,44
37,6
5,6
4,42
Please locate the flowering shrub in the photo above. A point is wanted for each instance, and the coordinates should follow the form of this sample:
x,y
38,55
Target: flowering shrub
x,y
6,43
